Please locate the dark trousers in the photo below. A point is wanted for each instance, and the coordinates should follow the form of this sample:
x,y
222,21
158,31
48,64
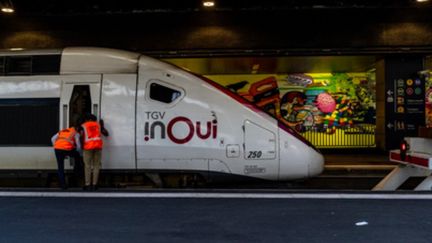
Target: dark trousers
x,y
60,156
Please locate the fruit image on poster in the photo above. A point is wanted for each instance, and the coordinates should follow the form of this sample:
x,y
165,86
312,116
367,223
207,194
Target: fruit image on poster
x,y
336,101
329,109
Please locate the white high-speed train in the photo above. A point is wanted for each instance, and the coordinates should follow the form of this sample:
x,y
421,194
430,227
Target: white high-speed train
x,y
161,118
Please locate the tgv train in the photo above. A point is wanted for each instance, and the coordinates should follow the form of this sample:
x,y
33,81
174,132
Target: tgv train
x,y
161,118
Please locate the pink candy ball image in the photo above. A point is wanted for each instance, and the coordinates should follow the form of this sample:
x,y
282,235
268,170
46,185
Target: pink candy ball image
x,y
325,103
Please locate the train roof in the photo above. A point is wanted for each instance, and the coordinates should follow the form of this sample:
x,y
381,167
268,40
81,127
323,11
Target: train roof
x,y
25,52
69,60
100,60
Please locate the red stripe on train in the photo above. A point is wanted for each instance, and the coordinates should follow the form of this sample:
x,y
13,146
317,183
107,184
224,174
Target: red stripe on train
x,y
410,159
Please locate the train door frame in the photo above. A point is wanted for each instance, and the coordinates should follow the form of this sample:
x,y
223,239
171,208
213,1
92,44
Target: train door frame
x,y
68,84
260,144
67,88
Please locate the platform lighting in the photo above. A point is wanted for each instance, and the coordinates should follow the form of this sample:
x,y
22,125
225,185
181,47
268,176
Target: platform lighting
x,y
422,1
7,6
208,4
7,10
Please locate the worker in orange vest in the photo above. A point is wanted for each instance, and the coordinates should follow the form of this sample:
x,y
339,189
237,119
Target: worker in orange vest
x,y
92,150
66,144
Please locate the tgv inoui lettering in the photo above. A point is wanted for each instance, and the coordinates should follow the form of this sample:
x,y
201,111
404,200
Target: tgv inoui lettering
x,y
151,128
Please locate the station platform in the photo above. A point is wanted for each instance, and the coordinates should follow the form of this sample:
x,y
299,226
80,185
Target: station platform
x,y
337,206
343,171
215,216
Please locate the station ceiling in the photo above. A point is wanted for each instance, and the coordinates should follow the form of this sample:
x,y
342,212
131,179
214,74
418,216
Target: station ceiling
x,y
239,62
55,7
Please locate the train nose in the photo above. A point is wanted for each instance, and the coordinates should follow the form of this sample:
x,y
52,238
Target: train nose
x,y
315,163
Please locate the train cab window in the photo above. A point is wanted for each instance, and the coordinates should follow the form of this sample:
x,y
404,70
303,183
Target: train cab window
x,y
163,93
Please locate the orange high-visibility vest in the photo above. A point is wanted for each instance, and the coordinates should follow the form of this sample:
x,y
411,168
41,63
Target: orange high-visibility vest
x,y
92,135
65,139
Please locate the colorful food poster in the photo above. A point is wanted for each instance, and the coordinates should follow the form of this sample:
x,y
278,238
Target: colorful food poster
x,y
329,109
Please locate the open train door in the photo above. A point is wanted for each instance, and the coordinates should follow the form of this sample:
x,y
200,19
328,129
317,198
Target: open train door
x,y
80,94
260,145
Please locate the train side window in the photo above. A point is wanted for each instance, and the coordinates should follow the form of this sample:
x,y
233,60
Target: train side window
x,y
2,66
46,64
30,65
28,121
19,65
163,93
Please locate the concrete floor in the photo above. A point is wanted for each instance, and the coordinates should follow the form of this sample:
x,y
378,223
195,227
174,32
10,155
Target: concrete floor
x,y
77,219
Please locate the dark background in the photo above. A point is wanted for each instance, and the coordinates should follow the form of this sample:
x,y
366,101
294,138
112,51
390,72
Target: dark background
x,y
174,28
